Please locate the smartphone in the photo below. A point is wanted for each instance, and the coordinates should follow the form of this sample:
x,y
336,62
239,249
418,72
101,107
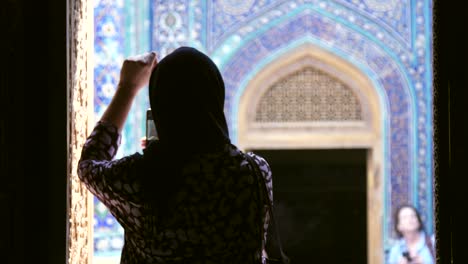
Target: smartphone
x,y
151,133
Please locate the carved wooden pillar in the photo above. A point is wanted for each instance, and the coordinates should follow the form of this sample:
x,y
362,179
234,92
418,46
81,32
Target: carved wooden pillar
x,y
80,113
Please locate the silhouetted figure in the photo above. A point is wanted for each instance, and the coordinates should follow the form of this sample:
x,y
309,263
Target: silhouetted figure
x,y
192,197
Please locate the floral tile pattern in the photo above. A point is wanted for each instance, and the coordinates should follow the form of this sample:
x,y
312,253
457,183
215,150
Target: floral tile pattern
x,y
389,41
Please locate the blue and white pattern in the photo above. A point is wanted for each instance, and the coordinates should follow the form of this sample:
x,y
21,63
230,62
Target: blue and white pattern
x,y
109,32
121,28
389,41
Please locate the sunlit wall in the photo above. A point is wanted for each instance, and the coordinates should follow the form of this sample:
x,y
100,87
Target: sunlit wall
x,y
389,41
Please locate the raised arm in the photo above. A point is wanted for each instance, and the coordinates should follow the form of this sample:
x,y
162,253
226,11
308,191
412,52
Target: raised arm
x,y
134,75
108,179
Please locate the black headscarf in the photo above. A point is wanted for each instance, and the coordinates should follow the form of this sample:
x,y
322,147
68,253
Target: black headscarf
x,y
186,93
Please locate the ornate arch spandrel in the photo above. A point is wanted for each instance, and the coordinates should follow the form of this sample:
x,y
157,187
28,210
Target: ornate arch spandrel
x,y
366,133
359,133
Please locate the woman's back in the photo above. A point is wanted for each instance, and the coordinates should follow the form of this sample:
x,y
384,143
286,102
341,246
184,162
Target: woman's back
x,y
215,213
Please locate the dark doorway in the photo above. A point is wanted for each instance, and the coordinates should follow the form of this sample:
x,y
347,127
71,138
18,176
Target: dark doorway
x,y
320,204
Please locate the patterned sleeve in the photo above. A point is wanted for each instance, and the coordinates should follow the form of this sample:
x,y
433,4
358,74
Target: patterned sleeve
x,y
111,181
267,177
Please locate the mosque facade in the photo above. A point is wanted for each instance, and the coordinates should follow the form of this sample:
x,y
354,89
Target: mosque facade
x,y
298,74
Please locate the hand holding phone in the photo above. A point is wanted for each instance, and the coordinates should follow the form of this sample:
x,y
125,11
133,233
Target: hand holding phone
x,y
151,133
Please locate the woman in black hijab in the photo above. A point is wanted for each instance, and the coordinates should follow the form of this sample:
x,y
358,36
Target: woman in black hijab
x,y
192,197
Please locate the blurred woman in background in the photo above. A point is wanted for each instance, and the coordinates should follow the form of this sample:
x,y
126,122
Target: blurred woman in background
x,y
414,245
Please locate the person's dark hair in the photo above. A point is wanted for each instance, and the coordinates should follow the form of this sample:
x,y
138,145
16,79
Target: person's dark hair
x,y
396,218
186,95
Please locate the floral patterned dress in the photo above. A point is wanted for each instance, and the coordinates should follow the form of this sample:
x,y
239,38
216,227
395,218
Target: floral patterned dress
x,y
218,214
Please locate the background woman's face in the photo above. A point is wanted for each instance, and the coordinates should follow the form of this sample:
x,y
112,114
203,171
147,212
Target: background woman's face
x,y
407,220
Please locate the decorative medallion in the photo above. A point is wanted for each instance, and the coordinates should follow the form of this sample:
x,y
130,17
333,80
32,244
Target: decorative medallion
x,y
236,7
381,5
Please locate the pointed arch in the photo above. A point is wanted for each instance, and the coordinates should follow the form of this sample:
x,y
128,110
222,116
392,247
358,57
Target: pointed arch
x,y
365,133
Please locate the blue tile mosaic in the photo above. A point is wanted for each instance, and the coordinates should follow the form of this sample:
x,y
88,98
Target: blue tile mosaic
x,y
390,41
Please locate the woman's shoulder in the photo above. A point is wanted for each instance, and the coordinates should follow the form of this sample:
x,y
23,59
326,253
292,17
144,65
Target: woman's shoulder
x,y
260,160
234,155
395,251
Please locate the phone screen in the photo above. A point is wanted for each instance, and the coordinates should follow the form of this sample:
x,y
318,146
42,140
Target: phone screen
x,y
151,133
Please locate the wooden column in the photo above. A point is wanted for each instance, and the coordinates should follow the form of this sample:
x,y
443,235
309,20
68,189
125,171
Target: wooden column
x,y
80,97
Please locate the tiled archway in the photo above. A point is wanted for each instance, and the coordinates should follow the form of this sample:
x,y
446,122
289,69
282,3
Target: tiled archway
x,y
365,133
